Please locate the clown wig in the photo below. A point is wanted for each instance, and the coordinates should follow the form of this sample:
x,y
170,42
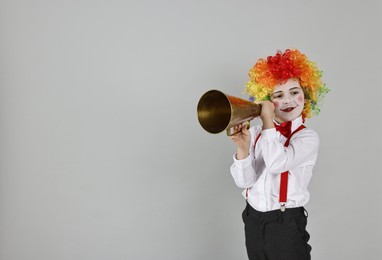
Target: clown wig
x,y
267,73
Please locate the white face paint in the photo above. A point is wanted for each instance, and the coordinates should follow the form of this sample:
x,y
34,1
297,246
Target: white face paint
x,y
288,99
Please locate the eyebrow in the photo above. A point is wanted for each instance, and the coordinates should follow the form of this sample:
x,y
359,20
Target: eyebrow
x,y
288,90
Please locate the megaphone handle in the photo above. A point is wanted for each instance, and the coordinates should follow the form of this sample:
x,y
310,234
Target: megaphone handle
x,y
231,131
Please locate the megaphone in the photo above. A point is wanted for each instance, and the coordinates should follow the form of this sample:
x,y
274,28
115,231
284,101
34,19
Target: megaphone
x,y
218,111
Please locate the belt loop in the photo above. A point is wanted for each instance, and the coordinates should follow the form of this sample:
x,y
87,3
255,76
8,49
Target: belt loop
x,y
306,214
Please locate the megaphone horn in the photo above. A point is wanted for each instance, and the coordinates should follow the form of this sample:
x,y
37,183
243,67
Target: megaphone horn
x,y
218,111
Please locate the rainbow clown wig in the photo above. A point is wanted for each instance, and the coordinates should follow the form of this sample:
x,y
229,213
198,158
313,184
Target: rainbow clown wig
x,y
267,73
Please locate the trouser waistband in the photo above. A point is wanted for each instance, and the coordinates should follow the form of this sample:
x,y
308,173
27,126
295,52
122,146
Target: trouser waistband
x,y
275,214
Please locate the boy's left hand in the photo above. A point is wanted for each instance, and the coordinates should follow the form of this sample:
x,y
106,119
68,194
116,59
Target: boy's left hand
x,y
267,109
267,113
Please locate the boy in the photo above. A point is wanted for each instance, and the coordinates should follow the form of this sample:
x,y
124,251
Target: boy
x,y
274,162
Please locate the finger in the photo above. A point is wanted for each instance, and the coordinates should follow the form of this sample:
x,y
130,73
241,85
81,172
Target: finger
x,y
237,128
244,129
235,137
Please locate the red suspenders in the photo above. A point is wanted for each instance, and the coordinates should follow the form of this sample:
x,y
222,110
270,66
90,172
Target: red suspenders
x,y
284,175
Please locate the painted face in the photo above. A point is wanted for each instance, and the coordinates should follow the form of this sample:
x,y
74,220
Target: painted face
x,y
288,99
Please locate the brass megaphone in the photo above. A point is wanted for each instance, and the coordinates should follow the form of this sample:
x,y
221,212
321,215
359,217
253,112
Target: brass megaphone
x,y
218,111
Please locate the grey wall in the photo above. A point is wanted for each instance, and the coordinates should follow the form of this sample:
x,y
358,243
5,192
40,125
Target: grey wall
x,y
101,153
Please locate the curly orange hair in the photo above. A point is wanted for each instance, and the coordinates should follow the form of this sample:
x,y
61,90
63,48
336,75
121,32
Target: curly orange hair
x,y
267,73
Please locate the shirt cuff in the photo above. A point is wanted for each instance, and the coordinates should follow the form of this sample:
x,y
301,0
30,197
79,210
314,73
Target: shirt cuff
x,y
269,133
242,163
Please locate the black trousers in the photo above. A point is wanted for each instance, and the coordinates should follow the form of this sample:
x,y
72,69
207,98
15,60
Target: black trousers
x,y
276,235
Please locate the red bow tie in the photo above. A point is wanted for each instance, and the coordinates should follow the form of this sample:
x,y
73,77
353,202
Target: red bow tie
x,y
284,128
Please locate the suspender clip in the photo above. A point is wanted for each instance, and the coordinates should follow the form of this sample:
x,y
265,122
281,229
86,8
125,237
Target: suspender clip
x,y
282,206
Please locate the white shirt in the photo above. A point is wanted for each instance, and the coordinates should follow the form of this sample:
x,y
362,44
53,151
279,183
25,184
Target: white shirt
x,y
260,172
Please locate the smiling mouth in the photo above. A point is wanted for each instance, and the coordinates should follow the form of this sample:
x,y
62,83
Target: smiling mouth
x,y
289,109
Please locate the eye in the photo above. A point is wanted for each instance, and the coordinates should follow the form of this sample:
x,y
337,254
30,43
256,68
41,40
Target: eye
x,y
277,96
295,92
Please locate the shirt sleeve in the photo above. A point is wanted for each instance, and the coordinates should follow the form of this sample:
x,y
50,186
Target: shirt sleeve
x,y
302,150
243,171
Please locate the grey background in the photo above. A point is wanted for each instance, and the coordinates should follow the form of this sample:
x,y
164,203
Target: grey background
x,y
101,153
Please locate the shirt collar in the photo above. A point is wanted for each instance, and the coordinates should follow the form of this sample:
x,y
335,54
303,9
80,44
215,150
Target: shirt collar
x,y
296,123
